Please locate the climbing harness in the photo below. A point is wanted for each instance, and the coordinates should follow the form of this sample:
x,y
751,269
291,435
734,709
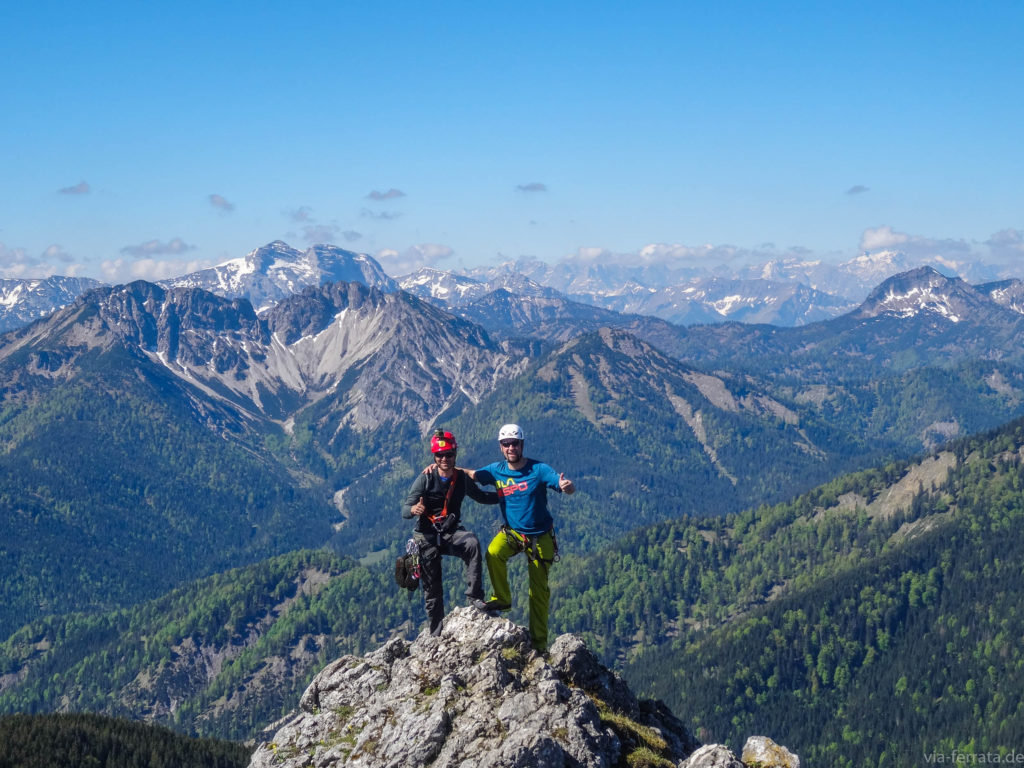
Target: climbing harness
x,y
528,544
438,520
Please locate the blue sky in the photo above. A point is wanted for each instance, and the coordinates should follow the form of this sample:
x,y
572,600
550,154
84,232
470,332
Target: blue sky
x,y
148,139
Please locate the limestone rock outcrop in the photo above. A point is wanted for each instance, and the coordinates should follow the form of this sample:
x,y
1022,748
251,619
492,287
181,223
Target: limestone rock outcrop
x,y
477,696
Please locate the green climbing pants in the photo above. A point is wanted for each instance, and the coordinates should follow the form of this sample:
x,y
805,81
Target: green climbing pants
x,y
540,554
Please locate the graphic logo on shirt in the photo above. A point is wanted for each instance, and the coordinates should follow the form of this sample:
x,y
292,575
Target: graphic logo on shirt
x,y
508,487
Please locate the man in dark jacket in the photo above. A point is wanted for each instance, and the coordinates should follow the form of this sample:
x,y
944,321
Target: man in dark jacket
x,y
435,500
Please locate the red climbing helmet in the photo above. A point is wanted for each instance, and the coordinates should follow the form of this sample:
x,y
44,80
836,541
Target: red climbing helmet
x,y
442,441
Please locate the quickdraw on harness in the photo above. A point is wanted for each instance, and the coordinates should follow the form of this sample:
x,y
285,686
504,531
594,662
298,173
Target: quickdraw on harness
x,y
528,544
438,520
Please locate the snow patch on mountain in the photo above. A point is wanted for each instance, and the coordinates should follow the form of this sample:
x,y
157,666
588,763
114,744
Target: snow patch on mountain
x,y
24,301
276,271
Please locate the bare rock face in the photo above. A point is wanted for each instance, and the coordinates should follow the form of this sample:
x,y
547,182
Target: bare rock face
x,y
762,751
479,697
475,696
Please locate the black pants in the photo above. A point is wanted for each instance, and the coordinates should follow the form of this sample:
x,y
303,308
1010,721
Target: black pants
x,y
462,544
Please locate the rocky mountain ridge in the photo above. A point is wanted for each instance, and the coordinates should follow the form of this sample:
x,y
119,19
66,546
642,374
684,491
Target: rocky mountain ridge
x,y
354,346
478,695
924,290
785,292
276,271
24,301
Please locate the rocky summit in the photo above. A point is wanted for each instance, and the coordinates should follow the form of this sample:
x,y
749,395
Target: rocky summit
x,y
479,696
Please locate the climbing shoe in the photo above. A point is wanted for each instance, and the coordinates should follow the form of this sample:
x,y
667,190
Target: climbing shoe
x,y
494,604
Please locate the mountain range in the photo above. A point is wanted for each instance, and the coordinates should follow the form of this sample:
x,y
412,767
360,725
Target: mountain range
x,y
320,404
268,274
155,437
23,301
783,292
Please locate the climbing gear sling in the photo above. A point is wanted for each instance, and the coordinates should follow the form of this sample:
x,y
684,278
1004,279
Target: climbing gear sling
x,y
438,520
528,544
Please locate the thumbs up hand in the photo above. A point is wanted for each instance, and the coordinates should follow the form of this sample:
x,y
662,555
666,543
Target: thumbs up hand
x,y
565,484
418,508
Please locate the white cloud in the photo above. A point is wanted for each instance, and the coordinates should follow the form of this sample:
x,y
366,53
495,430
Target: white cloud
x,y
391,194
533,186
320,233
152,248
301,214
881,239
858,189
54,260
56,253
15,263
366,213
125,270
1006,244
663,254
221,203
81,188
885,238
411,259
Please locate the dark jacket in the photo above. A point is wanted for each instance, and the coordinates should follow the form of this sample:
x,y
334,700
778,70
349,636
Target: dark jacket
x,y
433,491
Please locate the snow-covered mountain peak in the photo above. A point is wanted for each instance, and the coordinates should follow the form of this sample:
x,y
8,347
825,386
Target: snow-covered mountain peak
x,y
924,290
275,271
25,300
442,287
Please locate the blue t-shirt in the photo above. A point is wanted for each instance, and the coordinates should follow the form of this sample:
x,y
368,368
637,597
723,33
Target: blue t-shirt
x,y
522,494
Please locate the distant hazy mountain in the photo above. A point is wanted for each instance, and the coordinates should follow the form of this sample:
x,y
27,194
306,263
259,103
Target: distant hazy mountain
x,y
783,292
23,301
923,291
275,271
716,300
555,318
1008,293
446,289
451,290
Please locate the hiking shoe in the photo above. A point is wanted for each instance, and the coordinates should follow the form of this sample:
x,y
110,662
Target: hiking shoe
x,y
494,604
479,604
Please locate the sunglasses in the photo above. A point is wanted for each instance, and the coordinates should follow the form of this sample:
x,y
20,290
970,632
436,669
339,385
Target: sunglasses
x,y
445,455
509,443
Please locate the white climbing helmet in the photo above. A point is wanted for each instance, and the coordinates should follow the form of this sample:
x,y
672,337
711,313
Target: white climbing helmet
x,y
510,432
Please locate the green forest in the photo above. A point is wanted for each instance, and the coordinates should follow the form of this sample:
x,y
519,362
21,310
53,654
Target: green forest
x,y
911,651
89,524
170,558
855,631
96,741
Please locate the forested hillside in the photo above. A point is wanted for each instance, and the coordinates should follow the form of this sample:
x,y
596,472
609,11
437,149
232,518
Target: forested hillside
x,y
88,741
694,532
798,619
892,653
162,434
113,493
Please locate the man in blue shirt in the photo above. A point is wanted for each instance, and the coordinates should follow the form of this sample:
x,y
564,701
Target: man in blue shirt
x,y
522,486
